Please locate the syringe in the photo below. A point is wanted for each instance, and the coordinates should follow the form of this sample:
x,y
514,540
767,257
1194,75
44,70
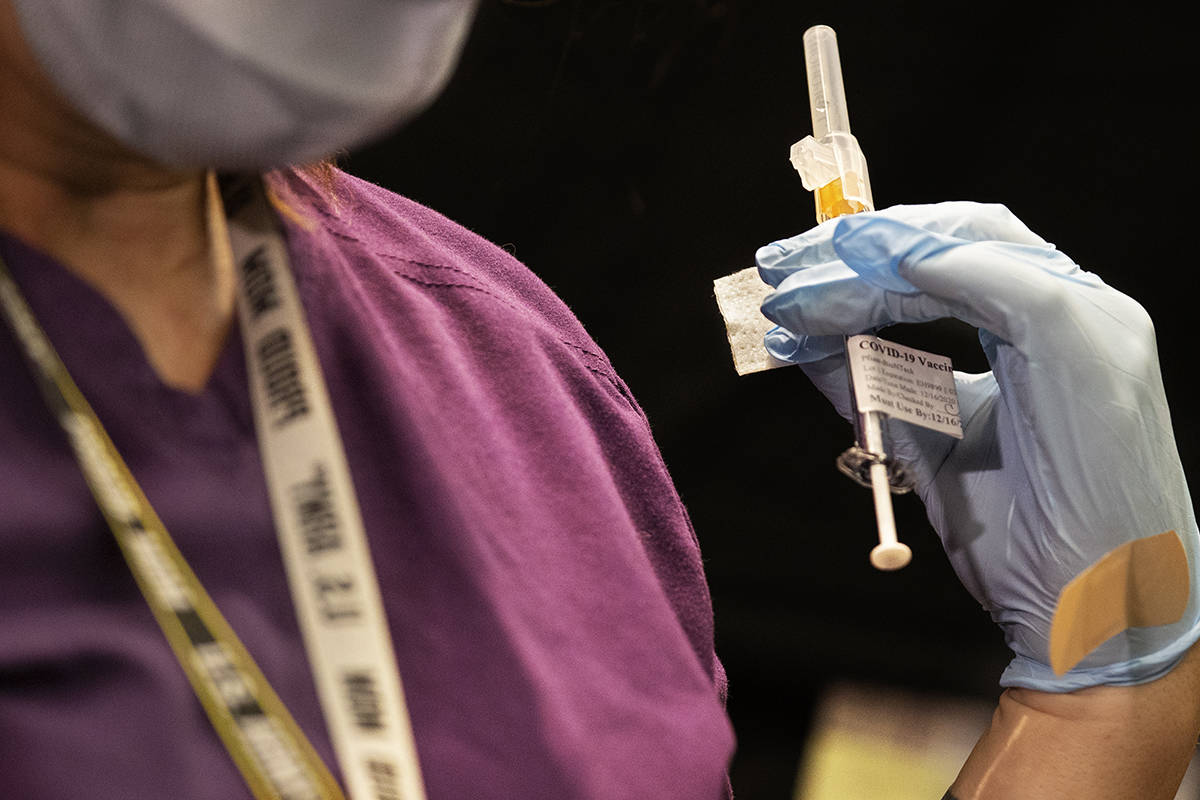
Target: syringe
x,y
832,166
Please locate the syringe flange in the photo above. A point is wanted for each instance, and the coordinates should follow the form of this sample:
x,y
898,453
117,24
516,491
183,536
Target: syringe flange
x,y
856,463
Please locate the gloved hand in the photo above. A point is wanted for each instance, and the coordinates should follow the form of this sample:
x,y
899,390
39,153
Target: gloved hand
x,y
1068,454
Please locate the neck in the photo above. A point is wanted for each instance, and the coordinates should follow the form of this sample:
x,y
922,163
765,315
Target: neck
x,y
148,251
134,229
118,231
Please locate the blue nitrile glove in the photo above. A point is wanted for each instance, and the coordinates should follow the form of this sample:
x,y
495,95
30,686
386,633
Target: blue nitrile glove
x,y
1068,451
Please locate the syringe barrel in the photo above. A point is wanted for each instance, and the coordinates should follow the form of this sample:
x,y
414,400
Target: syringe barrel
x,y
826,94
830,162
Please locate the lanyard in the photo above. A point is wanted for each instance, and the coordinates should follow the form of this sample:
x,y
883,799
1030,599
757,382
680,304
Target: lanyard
x,y
320,530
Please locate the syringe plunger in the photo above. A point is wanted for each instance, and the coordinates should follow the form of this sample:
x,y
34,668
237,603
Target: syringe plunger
x,y
832,166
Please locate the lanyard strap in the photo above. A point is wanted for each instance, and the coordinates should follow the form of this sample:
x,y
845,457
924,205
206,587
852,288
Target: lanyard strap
x,y
321,536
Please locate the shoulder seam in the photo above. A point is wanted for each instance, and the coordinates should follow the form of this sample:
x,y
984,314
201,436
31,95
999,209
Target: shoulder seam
x,y
601,366
601,370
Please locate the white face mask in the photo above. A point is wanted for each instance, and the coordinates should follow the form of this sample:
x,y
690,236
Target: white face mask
x,y
246,84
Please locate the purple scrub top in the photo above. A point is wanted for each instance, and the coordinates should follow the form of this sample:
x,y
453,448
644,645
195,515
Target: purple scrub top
x,y
542,582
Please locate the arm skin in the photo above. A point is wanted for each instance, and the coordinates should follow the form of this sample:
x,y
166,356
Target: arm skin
x,y
1118,743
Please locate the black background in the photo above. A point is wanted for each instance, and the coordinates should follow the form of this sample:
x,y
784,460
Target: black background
x,y
629,152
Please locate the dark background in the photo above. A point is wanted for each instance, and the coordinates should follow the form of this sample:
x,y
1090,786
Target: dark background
x,y
629,152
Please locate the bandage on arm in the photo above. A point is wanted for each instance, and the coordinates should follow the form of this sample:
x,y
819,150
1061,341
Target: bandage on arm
x,y
1102,743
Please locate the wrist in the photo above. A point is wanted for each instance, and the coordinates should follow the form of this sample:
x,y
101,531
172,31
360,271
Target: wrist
x,y
1102,742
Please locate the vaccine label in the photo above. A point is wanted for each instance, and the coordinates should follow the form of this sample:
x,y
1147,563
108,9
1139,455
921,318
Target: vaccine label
x,y
904,383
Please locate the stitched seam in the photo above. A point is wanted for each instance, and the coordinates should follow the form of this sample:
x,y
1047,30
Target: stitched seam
x,y
393,257
477,288
454,285
343,236
450,285
326,213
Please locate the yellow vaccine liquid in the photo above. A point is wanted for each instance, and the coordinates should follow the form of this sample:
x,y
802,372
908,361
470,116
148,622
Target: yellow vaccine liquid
x,y
832,201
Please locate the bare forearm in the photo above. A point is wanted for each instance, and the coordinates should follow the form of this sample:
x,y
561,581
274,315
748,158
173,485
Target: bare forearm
x,y
1101,743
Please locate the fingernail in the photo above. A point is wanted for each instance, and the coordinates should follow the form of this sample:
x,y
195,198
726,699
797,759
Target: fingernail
x,y
768,255
800,349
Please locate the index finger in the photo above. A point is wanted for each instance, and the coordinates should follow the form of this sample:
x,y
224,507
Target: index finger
x,y
970,222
